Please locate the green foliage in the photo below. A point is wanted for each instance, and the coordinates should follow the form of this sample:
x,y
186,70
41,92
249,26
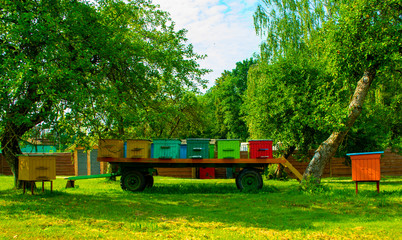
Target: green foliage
x,y
383,105
364,34
176,118
228,94
85,71
312,185
284,103
309,65
271,173
150,78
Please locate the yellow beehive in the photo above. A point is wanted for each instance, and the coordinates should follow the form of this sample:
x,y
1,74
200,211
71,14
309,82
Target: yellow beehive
x,y
36,167
112,148
138,148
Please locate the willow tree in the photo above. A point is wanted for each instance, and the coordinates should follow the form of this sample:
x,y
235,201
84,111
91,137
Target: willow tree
x,y
86,67
354,39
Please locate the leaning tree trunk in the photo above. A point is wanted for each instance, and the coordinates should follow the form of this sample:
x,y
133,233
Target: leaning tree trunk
x,y
328,148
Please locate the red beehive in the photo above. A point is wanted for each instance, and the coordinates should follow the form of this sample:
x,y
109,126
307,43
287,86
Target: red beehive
x,y
366,166
207,173
260,148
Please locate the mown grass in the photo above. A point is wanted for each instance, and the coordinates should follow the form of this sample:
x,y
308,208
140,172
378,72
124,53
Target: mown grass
x,y
202,209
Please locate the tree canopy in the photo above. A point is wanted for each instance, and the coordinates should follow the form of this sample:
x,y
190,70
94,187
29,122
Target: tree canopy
x,y
225,101
306,82
89,69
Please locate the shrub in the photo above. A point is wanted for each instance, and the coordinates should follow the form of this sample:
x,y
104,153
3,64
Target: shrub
x,y
271,173
313,185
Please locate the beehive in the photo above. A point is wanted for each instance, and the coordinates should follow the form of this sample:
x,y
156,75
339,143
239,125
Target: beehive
x,y
166,148
112,148
36,167
138,148
366,166
260,148
228,148
198,148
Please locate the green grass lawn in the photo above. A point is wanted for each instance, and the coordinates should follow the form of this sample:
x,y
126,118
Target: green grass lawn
x,y
202,209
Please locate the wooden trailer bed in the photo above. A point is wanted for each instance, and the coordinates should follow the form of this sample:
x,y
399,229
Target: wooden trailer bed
x,y
137,173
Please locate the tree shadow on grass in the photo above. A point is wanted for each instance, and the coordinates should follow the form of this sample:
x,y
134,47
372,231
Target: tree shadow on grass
x,y
204,189
268,209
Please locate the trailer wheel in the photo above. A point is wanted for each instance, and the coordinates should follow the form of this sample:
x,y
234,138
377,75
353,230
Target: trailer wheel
x,y
249,180
149,181
133,181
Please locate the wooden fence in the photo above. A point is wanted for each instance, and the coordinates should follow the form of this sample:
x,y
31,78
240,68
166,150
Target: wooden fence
x,y
391,165
64,165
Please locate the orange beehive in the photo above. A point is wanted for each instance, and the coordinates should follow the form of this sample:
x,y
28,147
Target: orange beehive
x,y
366,166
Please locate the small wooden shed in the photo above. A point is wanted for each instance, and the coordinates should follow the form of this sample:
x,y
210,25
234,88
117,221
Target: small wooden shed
x,y
85,162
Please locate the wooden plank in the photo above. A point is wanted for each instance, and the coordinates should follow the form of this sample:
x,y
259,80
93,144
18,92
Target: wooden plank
x,y
192,161
175,172
88,163
75,162
220,172
291,168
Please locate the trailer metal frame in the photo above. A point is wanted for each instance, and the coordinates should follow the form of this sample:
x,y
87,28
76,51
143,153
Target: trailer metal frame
x,y
137,173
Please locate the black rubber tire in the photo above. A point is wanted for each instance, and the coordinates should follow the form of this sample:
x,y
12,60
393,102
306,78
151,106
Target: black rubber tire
x,y
249,180
149,181
133,181
238,178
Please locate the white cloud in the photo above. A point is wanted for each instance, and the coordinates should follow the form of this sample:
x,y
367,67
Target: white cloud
x,y
222,29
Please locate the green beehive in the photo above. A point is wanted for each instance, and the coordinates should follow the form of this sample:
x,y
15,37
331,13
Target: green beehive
x,y
166,148
198,148
229,148
211,151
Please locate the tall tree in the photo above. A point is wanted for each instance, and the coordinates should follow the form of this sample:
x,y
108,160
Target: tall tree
x,y
283,103
363,39
87,68
352,39
48,56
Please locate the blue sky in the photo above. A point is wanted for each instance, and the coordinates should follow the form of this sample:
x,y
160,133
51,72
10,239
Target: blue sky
x,y
222,29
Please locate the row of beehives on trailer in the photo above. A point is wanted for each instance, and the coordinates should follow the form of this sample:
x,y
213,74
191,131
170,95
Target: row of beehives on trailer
x,y
194,148
189,148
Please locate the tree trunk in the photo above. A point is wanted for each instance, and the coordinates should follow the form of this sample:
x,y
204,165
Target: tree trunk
x,y
328,148
11,149
9,141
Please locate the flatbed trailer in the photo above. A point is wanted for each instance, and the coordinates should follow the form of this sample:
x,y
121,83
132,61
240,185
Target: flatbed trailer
x,y
137,173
